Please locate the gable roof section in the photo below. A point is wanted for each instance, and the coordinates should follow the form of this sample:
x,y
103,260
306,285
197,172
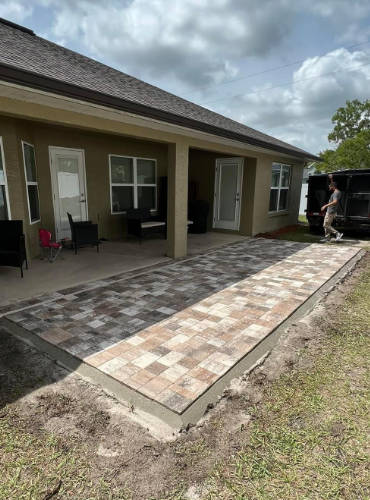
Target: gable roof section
x,y
32,61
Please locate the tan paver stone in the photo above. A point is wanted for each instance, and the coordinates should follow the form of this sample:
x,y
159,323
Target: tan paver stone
x,y
119,349
155,386
125,372
135,340
192,384
140,378
156,368
203,375
55,335
145,360
132,354
112,365
99,359
171,358
174,372
188,362
189,395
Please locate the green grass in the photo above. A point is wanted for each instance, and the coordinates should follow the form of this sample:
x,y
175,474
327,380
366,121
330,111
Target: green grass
x,y
32,466
309,439
302,218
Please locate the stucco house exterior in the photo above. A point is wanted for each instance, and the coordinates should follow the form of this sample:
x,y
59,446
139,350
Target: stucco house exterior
x,y
79,136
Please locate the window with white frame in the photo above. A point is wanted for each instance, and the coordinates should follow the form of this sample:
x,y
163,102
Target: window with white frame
x,y
133,183
4,199
280,184
31,182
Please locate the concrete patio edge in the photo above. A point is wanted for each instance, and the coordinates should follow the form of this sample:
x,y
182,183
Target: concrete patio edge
x,y
197,408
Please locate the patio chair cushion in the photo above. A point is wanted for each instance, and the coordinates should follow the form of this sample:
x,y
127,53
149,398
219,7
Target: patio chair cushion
x,y
152,224
140,222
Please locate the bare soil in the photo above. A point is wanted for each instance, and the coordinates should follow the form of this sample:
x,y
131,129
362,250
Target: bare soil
x,y
45,399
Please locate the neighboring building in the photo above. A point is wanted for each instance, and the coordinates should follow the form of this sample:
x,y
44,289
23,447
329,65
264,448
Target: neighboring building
x,y
310,169
79,136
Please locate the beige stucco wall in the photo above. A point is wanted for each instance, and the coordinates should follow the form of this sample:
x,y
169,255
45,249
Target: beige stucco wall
x,y
16,178
262,220
202,173
254,211
100,132
96,147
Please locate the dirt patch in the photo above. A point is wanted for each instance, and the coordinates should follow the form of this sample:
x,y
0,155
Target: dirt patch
x,y
45,399
278,232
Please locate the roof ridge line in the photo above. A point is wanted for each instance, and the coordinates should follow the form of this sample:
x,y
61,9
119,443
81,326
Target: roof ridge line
x,y
17,26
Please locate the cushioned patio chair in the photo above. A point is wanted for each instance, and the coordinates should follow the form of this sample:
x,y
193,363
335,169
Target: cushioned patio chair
x,y
83,234
12,244
140,222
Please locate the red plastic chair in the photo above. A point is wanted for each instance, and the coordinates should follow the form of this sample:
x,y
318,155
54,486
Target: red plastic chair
x,y
46,244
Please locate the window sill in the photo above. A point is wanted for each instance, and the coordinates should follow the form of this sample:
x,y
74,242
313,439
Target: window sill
x,y
278,213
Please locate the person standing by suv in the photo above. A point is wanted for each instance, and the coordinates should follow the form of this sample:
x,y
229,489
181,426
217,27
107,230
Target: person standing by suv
x,y
331,211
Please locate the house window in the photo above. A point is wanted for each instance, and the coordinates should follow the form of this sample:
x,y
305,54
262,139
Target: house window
x,y
280,183
133,183
4,198
31,182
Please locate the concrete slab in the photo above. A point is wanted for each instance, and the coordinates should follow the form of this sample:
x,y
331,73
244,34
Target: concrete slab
x,y
115,257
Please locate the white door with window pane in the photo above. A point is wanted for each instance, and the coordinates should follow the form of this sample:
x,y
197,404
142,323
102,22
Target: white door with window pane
x,y
228,187
69,188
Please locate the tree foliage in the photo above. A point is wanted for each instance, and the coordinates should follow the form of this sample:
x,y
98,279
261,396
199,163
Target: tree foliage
x,y
350,154
352,134
350,120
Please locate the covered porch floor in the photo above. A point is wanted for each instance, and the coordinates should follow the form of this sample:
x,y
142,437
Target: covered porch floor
x,y
115,257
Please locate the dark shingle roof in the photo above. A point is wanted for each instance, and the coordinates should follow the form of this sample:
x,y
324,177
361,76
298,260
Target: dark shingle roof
x,y
40,62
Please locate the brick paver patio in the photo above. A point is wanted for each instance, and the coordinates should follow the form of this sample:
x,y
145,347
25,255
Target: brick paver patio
x,y
172,331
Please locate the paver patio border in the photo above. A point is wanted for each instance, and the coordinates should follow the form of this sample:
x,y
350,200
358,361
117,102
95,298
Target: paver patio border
x,y
198,407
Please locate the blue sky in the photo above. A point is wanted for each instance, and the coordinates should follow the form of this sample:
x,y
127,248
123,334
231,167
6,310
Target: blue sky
x,y
280,66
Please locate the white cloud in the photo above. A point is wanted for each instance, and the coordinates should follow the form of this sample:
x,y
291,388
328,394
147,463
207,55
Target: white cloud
x,y
16,11
194,41
347,19
188,44
301,113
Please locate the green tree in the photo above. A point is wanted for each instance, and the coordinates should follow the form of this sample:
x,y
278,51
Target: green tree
x,y
350,120
328,163
352,134
354,152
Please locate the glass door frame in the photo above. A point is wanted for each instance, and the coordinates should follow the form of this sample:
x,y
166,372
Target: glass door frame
x,y
55,187
6,189
217,222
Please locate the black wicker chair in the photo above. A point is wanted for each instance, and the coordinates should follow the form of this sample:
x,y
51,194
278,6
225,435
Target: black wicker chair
x,y
198,213
83,233
140,223
12,244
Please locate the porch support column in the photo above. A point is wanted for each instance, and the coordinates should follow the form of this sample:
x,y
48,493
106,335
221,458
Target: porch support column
x,y
177,205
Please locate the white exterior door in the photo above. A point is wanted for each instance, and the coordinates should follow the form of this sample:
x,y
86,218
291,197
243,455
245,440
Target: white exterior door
x,y
69,188
228,187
